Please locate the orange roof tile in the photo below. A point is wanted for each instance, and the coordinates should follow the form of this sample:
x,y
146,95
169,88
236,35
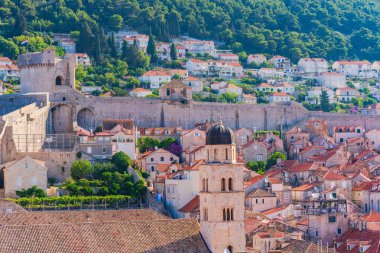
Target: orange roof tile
x,y
191,206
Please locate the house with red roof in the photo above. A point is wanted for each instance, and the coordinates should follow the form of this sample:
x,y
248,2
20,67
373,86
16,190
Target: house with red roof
x,y
373,109
278,97
140,92
358,240
194,82
155,78
342,133
354,68
228,57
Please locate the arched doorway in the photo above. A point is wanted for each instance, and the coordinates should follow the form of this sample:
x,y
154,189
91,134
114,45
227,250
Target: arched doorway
x,y
59,80
86,119
61,120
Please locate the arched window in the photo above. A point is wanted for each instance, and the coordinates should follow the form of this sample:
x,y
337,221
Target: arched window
x,y
58,80
208,155
206,185
203,185
224,214
215,154
228,215
226,154
232,214
230,188
223,186
230,249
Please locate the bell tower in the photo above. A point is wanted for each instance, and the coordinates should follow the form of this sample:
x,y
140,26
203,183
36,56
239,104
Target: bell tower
x,y
222,193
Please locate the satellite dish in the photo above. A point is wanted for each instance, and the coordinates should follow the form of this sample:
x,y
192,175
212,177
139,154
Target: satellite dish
x,y
286,174
266,180
315,188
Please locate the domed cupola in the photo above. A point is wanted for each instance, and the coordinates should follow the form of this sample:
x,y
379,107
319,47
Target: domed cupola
x,y
219,134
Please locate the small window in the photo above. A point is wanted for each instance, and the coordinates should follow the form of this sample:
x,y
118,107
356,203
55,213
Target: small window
x,y
63,169
171,159
339,231
104,150
358,131
26,165
152,168
58,80
341,140
167,92
262,201
161,158
348,247
89,150
257,201
361,249
332,219
152,159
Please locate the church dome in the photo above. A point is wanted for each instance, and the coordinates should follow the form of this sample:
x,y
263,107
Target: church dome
x,y
219,135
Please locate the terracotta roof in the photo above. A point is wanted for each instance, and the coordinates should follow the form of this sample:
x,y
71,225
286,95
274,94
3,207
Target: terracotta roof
x,y
180,235
331,176
306,187
275,180
140,90
275,210
296,130
373,217
259,193
65,217
265,85
156,73
7,207
301,167
175,84
163,167
191,206
356,237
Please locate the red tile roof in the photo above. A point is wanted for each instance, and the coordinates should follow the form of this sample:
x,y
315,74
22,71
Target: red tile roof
x,y
331,176
306,187
191,206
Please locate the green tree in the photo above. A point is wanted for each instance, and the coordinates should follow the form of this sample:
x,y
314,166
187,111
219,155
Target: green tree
x,y
256,166
21,26
121,161
116,22
173,52
81,169
34,191
112,46
8,48
274,158
85,40
325,101
151,49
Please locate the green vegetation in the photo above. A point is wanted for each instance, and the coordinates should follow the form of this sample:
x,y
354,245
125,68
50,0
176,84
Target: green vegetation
x,y
75,202
274,157
34,191
331,29
103,179
258,166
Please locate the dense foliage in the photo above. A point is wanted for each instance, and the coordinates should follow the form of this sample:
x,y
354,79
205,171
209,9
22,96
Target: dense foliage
x,y
34,191
324,28
103,179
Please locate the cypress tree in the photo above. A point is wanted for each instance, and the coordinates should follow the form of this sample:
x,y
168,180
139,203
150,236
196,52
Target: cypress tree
x,y
85,41
20,25
113,46
325,102
151,49
173,52
124,50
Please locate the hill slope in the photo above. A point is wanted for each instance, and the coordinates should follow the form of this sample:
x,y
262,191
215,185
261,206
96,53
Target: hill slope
x,y
333,29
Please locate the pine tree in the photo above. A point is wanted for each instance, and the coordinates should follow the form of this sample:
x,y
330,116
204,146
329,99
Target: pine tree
x,y
325,102
151,49
173,52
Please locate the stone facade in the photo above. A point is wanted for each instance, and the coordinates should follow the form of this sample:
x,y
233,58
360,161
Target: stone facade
x,y
45,69
23,174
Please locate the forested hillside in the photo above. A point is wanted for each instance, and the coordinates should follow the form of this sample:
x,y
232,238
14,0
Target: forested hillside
x,y
333,29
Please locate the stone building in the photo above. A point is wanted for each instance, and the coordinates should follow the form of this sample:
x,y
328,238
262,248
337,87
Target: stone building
x,y
254,151
317,127
176,90
23,174
222,193
52,74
